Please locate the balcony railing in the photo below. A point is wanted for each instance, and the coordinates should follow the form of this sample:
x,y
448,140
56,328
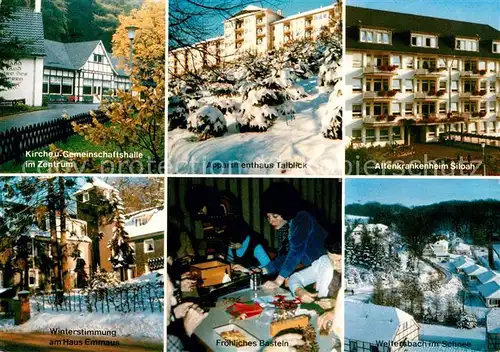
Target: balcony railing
x,y
472,73
380,69
474,95
433,71
381,94
431,94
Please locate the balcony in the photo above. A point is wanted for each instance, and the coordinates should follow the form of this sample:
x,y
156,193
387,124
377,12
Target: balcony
x,y
430,95
380,120
472,74
379,95
473,116
435,118
475,95
380,70
430,72
261,34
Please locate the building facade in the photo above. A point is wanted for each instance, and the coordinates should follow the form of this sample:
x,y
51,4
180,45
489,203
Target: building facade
x,y
253,29
146,229
61,72
392,325
81,72
27,73
411,78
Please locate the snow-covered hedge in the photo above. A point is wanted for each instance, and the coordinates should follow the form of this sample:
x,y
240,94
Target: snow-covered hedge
x,y
207,122
177,112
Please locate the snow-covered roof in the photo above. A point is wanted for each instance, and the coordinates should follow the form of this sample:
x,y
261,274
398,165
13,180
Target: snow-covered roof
x,y
361,318
442,242
462,262
96,183
474,269
487,276
306,13
493,321
490,289
358,218
462,247
246,11
154,220
371,227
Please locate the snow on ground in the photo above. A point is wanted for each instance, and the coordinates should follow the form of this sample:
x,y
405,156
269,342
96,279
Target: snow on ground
x,y
438,333
298,140
134,325
357,218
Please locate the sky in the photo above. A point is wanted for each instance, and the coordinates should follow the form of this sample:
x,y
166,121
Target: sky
x,y
414,192
288,7
477,11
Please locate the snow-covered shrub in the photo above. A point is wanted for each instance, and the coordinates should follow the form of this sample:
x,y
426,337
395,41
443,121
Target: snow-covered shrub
x,y
177,112
102,279
207,122
467,321
331,122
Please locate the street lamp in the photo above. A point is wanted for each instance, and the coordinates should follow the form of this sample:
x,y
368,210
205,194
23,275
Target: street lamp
x,y
483,145
131,36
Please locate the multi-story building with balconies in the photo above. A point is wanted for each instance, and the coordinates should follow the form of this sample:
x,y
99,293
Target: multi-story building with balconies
x,y
253,29
410,78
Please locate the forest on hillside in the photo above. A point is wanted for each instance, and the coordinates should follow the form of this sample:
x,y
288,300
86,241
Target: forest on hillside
x,y
477,221
82,20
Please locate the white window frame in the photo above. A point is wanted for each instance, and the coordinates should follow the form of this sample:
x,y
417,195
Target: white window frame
x,y
497,45
146,245
469,44
85,197
377,36
421,40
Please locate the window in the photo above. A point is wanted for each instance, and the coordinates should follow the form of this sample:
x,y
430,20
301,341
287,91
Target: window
x,y
427,63
370,134
454,86
45,86
396,109
374,36
356,135
85,197
396,60
467,44
140,221
356,110
149,245
396,132
454,107
426,41
469,86
432,131
428,85
428,108
491,66
67,86
356,85
384,134
380,109
409,62
442,84
409,108
496,47
98,58
353,346
470,65
357,59
396,85
409,85
442,107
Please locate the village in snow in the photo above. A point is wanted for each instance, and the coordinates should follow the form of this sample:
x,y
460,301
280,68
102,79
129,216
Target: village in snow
x,y
427,277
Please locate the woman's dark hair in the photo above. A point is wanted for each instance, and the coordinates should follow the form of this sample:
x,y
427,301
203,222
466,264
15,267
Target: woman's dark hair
x,y
333,244
281,198
238,229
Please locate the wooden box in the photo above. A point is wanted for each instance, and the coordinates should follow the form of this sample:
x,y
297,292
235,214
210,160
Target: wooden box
x,y
300,321
211,272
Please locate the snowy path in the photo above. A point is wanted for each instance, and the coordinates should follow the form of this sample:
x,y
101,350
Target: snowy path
x,y
299,140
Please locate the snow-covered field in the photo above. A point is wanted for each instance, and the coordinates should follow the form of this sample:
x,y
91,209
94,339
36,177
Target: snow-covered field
x,y
133,325
298,141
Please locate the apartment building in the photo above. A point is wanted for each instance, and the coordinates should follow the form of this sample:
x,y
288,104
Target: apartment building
x,y
410,78
253,29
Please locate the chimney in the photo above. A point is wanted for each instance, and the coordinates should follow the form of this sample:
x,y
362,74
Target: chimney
x,y
38,5
279,12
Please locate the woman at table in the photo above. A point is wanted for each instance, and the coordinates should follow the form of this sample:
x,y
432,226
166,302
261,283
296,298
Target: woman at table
x,y
178,338
282,205
326,274
246,248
